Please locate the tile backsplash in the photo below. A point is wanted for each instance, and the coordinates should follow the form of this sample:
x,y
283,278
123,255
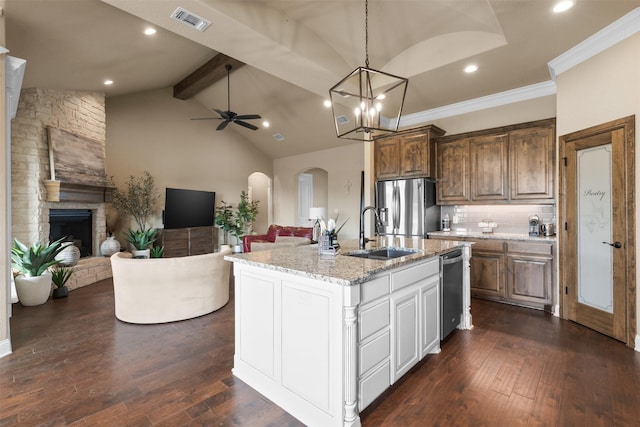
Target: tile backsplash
x,y
510,218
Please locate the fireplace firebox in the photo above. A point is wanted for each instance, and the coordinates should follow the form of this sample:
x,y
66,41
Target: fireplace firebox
x,y
76,225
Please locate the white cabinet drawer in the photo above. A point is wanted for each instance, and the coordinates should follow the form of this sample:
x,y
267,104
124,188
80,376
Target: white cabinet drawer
x,y
373,319
413,274
374,352
373,385
375,288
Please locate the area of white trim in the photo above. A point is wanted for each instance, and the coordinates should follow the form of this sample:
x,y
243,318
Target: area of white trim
x,y
5,348
524,93
637,343
610,35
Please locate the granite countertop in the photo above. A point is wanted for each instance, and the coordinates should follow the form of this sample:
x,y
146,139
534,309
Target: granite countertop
x,y
492,236
340,268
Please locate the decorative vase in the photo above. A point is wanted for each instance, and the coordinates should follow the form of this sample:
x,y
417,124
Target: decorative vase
x,y
62,292
33,290
141,253
237,249
69,255
109,246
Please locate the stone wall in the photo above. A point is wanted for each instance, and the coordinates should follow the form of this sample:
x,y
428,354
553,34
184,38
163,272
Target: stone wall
x,y
81,113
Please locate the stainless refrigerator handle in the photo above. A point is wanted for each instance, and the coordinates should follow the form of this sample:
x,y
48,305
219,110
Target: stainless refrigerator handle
x,y
396,209
447,261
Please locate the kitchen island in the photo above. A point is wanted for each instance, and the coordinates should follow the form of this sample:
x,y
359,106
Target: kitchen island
x,y
323,335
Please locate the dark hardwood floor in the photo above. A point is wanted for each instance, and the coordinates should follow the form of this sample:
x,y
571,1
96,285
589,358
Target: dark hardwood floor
x,y
75,364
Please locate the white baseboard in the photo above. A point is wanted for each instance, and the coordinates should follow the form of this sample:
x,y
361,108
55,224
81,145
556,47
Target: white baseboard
x,y
5,347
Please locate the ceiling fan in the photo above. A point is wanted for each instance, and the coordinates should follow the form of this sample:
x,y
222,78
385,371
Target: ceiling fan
x,y
229,116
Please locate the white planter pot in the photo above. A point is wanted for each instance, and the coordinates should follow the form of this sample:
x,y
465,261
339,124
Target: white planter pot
x,y
33,290
144,253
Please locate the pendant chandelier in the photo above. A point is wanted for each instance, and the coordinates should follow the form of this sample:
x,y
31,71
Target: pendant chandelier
x,y
367,103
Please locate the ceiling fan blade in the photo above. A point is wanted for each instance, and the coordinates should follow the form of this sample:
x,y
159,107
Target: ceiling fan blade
x,y
245,124
248,117
223,125
206,118
224,114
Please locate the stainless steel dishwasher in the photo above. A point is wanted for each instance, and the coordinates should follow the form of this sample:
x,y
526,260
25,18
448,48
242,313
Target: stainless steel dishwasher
x,y
450,292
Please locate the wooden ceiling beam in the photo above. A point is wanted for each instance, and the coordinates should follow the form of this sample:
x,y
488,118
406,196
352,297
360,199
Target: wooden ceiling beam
x,y
209,73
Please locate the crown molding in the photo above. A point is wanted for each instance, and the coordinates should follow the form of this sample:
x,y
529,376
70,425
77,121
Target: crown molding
x,y
524,93
610,35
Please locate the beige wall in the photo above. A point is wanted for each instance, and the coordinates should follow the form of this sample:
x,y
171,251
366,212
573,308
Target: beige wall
x,y
152,131
601,89
343,166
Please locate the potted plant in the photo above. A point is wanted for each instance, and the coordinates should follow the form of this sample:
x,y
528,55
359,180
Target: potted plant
x,y
59,276
157,251
225,221
33,282
139,200
141,240
246,213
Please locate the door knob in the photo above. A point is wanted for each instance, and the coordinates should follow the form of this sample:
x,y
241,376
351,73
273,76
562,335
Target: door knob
x,y
616,245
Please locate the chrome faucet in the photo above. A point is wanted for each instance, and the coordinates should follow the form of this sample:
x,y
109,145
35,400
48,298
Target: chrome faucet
x,y
363,240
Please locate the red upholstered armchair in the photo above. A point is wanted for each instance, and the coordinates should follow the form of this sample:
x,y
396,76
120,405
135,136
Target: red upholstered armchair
x,y
277,232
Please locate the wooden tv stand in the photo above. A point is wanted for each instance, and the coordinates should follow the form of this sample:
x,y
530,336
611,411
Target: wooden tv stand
x,y
188,241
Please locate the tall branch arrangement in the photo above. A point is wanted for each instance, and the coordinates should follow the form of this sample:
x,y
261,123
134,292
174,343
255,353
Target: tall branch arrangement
x,y
139,199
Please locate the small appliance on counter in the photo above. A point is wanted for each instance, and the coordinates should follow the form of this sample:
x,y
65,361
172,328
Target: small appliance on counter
x,y
487,225
534,225
548,229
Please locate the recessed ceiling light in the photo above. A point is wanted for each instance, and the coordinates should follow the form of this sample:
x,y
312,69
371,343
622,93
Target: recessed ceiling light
x,y
327,103
471,68
149,31
265,124
108,82
562,6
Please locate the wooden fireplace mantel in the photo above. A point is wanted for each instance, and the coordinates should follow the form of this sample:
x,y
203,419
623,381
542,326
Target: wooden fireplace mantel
x,y
60,191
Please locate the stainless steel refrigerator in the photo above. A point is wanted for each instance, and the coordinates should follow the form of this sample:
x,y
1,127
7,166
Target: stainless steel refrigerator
x,y
407,207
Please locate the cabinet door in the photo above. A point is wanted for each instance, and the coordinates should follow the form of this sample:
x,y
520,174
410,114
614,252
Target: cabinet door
x,y
453,172
430,316
529,279
387,158
489,168
414,155
532,153
404,327
487,274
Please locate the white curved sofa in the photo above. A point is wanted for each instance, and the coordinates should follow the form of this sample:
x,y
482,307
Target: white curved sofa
x,y
164,290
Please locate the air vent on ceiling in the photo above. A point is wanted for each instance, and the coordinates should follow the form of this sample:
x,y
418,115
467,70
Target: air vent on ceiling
x,y
278,137
190,19
342,120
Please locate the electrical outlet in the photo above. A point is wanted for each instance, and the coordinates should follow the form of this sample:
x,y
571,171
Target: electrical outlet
x,y
455,219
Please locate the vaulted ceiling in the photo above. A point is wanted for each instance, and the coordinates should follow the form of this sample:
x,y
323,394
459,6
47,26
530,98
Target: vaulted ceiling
x,y
295,50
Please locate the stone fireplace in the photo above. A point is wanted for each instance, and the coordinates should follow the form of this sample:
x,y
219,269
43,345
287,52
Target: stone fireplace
x,y
77,112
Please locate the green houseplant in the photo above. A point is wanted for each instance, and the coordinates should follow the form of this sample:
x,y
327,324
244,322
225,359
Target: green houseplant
x,y
225,220
60,275
246,213
157,251
139,200
141,240
33,282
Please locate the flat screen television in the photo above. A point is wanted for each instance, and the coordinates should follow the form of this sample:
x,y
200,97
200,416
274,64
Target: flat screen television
x,y
188,208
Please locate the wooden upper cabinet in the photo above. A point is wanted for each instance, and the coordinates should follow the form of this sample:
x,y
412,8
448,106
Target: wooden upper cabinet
x,y
453,172
406,154
489,167
387,158
511,164
531,160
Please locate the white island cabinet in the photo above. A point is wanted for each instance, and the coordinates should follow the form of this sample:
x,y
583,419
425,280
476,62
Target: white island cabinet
x,y
322,337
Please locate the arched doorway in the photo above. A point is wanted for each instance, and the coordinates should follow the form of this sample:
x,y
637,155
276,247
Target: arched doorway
x,y
312,191
259,188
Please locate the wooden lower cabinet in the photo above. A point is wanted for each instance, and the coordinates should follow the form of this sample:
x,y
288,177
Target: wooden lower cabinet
x,y
487,276
515,272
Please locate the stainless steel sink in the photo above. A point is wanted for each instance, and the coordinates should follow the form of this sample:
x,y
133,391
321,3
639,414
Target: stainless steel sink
x,y
382,253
